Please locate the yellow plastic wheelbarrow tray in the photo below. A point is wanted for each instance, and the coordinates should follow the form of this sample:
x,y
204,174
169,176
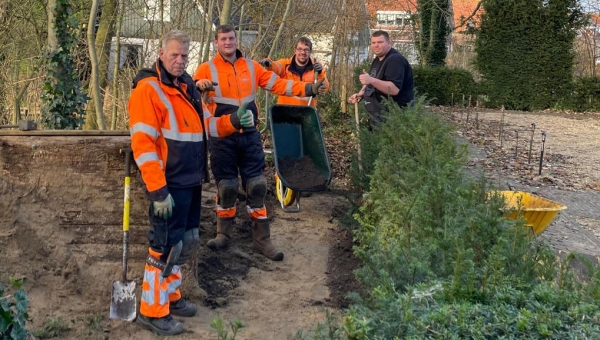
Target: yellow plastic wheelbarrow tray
x,y
537,211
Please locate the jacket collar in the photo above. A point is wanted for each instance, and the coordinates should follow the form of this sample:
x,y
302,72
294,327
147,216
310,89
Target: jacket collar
x,y
238,55
294,65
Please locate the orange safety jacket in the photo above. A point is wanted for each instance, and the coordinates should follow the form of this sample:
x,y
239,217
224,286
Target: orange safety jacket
x,y
167,134
238,83
287,68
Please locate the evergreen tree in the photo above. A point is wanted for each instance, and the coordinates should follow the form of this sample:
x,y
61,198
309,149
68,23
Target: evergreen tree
x,y
525,51
434,31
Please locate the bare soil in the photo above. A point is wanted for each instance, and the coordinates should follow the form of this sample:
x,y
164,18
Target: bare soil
x,y
61,231
61,206
301,173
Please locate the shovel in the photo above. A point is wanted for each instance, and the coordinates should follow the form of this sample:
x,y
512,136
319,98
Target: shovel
x,y
360,168
123,304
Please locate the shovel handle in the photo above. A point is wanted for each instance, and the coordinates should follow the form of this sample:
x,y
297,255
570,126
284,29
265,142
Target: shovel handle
x,y
315,81
127,188
126,207
359,151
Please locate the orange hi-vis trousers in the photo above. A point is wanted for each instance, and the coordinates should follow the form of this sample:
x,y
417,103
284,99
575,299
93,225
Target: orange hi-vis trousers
x,y
158,291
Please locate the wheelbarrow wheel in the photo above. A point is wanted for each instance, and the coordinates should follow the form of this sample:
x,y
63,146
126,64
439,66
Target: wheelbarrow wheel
x,y
288,197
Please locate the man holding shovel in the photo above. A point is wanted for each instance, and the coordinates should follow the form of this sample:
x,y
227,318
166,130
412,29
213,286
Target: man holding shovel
x,y
300,67
169,148
241,154
390,76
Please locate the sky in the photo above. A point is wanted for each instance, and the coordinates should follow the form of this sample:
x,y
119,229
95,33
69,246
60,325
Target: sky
x,y
591,5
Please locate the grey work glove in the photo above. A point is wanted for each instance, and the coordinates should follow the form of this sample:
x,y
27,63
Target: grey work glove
x,y
265,63
318,87
164,208
317,67
245,116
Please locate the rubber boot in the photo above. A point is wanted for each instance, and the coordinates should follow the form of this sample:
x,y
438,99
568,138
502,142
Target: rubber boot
x,y
224,229
261,237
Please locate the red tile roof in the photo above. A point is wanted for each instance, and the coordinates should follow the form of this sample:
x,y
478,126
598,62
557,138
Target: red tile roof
x,y
462,9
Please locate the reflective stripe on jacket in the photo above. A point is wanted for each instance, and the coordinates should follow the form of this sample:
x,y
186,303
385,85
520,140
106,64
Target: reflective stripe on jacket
x,y
166,130
238,83
285,69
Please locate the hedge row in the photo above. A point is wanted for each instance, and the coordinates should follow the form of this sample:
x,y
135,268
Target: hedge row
x,y
451,86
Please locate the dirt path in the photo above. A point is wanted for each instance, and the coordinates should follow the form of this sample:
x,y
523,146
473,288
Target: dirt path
x,y
60,230
570,171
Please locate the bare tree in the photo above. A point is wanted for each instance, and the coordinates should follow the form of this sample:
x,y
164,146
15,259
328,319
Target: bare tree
x,y
95,83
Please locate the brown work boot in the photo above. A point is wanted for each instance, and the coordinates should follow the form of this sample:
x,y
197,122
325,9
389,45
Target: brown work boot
x,y
261,237
224,229
162,326
182,307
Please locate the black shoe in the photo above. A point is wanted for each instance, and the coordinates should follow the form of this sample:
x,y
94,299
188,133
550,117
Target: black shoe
x,y
162,326
182,307
305,194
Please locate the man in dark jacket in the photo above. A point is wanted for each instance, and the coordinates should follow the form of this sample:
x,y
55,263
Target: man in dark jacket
x,y
390,76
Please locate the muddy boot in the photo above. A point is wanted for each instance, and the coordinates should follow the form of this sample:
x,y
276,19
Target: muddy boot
x,y
224,229
261,237
182,307
163,326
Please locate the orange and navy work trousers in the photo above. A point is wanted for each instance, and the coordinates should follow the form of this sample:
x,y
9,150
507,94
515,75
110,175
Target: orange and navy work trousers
x,y
158,291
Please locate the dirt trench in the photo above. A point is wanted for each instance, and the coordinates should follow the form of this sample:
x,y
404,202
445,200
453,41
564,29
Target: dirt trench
x,y
61,204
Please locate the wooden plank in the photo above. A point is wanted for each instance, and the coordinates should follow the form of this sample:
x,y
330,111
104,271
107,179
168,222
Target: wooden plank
x,y
77,133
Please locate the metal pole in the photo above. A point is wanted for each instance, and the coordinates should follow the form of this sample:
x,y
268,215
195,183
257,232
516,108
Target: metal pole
x,y
531,143
542,153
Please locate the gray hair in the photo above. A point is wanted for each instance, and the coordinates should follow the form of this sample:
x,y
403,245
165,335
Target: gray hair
x,y
178,35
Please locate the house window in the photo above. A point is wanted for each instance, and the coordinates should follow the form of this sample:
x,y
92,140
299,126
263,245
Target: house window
x,y
158,10
393,18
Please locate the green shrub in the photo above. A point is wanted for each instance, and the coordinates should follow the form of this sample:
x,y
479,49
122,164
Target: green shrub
x,y
13,312
445,86
585,95
440,261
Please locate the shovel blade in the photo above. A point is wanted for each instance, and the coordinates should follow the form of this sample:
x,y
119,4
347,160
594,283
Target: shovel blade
x,y
123,304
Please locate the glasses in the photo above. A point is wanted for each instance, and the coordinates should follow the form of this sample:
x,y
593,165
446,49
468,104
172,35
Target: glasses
x,y
302,50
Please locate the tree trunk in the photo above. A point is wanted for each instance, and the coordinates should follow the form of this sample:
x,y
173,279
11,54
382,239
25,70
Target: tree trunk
x,y
209,38
95,81
52,39
225,12
288,8
240,28
117,63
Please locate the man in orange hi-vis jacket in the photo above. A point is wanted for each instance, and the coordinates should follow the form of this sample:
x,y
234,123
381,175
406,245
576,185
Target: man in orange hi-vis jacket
x,y
299,67
241,154
169,147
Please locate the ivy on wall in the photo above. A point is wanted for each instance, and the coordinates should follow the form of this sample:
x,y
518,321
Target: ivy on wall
x,y
62,98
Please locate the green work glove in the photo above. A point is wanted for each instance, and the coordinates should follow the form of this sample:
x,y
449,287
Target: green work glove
x,y
318,87
245,116
164,208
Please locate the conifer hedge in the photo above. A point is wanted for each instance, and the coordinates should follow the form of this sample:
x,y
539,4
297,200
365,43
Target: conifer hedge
x,y
525,51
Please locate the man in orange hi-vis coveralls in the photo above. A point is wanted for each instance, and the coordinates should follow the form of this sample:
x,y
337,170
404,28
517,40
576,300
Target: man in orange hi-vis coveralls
x,y
167,119
241,154
299,67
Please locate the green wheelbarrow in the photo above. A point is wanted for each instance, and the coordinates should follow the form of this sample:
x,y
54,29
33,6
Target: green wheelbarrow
x,y
299,154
